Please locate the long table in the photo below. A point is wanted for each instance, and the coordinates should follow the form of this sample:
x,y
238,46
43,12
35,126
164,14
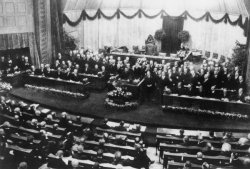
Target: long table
x,y
87,163
192,149
126,150
72,86
205,104
117,54
134,57
134,88
182,157
96,82
15,80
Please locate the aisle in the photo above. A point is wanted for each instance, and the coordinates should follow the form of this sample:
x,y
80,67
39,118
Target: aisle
x,y
149,114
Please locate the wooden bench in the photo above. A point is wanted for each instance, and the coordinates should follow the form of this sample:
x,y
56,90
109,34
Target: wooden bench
x,y
19,149
22,138
178,165
89,163
112,131
183,157
192,149
129,142
177,140
126,150
108,156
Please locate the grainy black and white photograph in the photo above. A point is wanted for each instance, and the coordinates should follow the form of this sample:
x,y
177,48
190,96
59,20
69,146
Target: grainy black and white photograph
x,y
124,84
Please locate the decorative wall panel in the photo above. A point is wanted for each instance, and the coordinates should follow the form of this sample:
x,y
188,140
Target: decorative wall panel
x,y
14,15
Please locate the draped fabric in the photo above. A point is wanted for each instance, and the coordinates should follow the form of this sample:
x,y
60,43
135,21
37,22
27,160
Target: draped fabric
x,y
102,32
172,26
98,14
216,38
98,23
56,30
35,59
205,36
42,21
20,40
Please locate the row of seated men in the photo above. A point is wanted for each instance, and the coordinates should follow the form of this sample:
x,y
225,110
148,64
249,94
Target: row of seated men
x,y
67,145
9,66
207,148
211,80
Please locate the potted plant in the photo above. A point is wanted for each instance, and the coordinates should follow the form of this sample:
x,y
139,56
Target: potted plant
x,y
159,36
183,36
239,57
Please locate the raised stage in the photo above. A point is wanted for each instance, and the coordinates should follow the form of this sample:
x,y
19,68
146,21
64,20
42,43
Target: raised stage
x,y
149,114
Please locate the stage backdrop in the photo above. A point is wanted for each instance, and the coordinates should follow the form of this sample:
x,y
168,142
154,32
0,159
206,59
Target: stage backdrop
x,y
128,23
17,26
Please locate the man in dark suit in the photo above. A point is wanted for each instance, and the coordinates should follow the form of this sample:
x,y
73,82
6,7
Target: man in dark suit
x,y
149,85
199,159
87,69
96,69
3,63
66,74
206,86
9,68
121,127
229,82
63,120
48,72
141,160
126,74
57,162
99,157
74,76
180,90
22,63
79,153
58,73
104,124
27,64
137,71
240,97
40,71
241,84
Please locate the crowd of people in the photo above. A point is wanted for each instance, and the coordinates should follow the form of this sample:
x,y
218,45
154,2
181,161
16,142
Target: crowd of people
x,y
10,65
210,79
73,141
207,149
71,144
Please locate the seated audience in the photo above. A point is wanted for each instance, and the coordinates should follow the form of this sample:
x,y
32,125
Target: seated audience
x,y
187,165
57,162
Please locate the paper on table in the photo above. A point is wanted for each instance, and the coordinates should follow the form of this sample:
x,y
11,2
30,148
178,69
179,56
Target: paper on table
x,y
130,127
45,111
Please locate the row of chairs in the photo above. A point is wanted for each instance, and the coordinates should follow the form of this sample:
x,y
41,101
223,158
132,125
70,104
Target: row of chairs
x,y
20,138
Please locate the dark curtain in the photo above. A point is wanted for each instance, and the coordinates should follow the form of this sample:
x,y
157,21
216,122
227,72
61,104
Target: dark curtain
x,y
172,26
56,27
21,40
162,13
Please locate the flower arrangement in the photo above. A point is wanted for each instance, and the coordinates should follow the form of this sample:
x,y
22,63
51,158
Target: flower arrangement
x,y
159,35
183,36
126,106
56,91
119,93
5,86
120,99
239,57
210,113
